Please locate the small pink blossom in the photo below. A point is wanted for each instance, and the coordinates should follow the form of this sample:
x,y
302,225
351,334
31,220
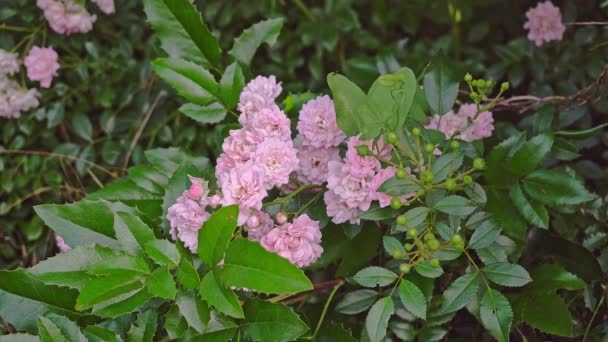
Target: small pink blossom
x,y
451,123
339,210
223,164
240,144
270,122
281,218
278,159
214,201
313,168
106,6
299,241
14,100
244,185
66,16
544,23
258,94
61,245
318,125
9,63
42,65
363,166
352,189
186,217
258,225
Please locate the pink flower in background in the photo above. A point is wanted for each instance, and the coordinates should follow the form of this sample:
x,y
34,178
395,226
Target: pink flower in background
x,y
258,228
278,159
223,164
313,167
318,125
351,188
361,166
240,144
544,23
299,241
244,185
451,122
42,65
14,100
106,6
339,210
186,217
258,94
9,63
448,123
66,16
61,245
270,122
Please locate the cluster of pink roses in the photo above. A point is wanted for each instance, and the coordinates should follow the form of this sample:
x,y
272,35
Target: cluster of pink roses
x,y
69,16
451,123
544,23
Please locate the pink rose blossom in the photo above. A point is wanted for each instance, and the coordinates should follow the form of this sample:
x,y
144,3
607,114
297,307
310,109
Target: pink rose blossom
x,y
448,123
318,125
313,167
299,241
186,217
270,122
363,166
281,218
544,23
353,189
61,245
14,100
382,176
258,225
106,6
278,159
42,65
223,164
66,16
339,210
244,185
258,94
452,122
214,201
240,144
9,63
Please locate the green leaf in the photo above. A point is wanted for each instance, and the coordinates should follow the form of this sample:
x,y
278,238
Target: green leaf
x,y
270,322
119,264
175,324
376,213
532,211
551,277
249,265
96,333
19,337
216,233
131,232
416,216
82,126
426,270
209,114
191,81
187,275
68,328
356,302
446,163
249,41
399,187
375,276
161,284
182,32
440,85
531,154
456,205
103,290
548,313
148,178
193,309
333,332
553,187
219,329
496,314
582,134
412,298
460,292
376,321
348,99
168,160
391,244
506,274
485,234
163,252
124,304
145,327
49,331
221,298
231,85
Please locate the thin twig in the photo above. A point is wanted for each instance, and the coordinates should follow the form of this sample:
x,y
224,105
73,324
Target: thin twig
x,y
588,23
61,156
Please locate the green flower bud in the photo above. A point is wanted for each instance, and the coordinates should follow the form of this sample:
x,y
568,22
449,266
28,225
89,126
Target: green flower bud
x,y
474,96
459,246
455,145
504,86
479,164
429,236
434,262
429,148
420,192
396,203
427,176
402,220
433,244
397,254
392,138
405,268
450,184
468,78
408,247
467,180
412,233
363,150
416,131
401,173
489,84
457,239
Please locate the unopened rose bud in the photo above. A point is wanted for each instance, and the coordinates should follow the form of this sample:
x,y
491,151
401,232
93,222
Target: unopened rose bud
x,y
214,201
281,218
253,221
195,192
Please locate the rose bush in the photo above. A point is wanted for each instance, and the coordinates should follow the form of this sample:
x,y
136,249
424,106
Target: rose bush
x,y
400,201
